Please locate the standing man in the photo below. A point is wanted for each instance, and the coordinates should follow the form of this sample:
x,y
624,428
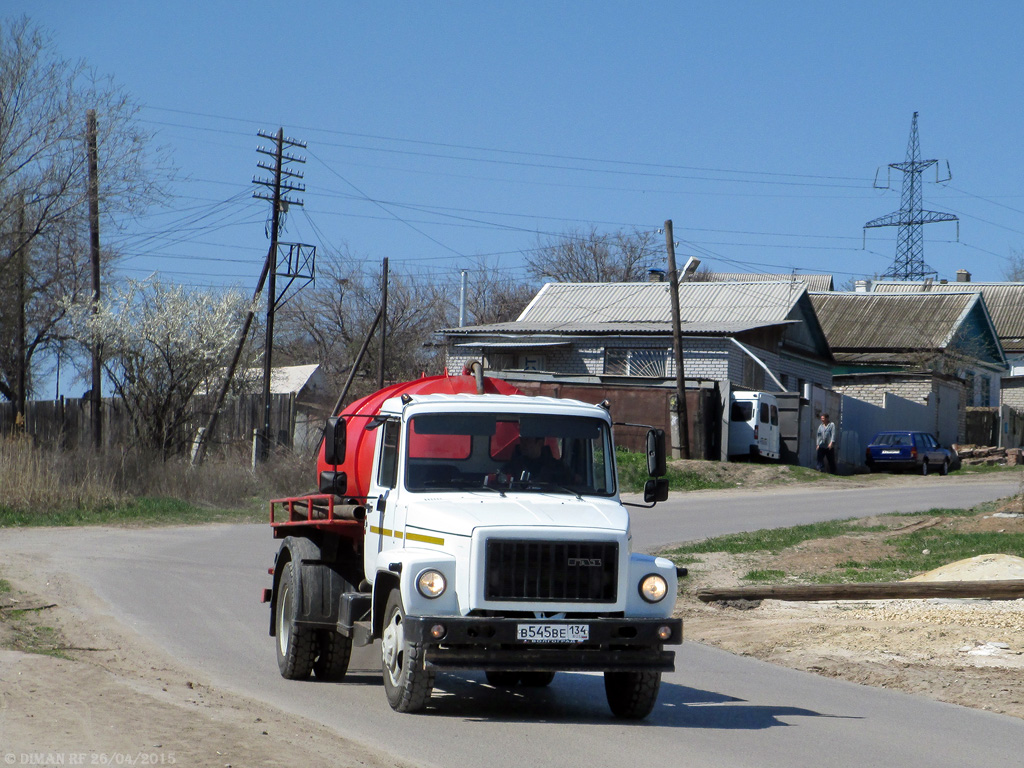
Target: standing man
x,y
826,444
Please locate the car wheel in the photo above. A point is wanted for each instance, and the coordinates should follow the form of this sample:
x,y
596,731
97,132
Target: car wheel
x,y
945,467
924,466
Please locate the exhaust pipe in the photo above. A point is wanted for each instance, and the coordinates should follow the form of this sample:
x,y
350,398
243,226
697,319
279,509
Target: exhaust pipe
x,y
476,368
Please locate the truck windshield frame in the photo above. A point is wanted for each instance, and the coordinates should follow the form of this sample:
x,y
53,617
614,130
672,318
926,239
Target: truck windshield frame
x,y
530,452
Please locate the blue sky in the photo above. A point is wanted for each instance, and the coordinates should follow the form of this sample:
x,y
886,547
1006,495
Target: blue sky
x,y
452,135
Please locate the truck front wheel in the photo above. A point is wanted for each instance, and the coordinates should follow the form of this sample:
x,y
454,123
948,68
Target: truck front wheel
x,y
631,695
296,646
407,683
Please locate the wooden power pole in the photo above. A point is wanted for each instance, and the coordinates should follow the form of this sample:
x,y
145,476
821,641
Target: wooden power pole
x,y
94,252
383,322
677,345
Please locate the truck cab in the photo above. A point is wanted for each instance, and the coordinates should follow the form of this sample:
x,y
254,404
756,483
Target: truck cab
x,y
492,538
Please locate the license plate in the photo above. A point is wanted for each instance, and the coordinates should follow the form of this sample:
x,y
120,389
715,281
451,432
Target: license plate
x,y
552,633
887,453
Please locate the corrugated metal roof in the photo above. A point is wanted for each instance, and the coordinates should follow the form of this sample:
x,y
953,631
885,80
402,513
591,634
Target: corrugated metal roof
x,y
1005,302
813,282
544,331
877,321
706,305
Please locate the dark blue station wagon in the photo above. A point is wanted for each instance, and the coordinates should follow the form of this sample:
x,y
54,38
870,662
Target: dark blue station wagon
x,y
902,450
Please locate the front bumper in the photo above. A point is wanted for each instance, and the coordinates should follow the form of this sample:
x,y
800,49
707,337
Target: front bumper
x,y
621,645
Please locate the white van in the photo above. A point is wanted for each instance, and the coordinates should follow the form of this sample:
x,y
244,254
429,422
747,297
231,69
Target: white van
x,y
754,426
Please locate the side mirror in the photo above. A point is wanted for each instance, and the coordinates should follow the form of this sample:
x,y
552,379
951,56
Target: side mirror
x,y
656,453
335,435
656,490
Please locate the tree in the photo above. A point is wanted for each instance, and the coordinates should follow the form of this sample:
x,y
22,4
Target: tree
x,y
1014,269
594,257
492,297
161,345
43,171
328,323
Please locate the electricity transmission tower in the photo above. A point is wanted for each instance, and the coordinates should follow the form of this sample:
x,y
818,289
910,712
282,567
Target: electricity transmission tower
x,y
909,262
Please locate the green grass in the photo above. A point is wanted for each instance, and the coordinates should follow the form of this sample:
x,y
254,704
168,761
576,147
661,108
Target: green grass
x,y
907,551
768,539
141,511
633,474
982,469
5,586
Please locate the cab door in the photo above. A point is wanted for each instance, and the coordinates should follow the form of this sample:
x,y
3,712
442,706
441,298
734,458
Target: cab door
x,y
383,528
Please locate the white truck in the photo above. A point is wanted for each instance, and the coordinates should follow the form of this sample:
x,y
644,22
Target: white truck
x,y
469,527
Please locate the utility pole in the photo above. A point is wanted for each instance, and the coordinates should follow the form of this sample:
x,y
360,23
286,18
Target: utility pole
x,y
22,265
911,217
677,345
283,182
94,251
383,322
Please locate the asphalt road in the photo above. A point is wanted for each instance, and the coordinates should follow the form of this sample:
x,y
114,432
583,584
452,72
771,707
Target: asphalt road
x,y
195,591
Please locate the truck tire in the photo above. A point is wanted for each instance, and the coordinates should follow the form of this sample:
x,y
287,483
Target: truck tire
x,y
407,683
333,652
296,646
502,678
631,695
536,679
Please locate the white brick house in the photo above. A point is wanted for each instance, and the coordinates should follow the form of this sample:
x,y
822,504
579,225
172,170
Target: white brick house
x,y
757,335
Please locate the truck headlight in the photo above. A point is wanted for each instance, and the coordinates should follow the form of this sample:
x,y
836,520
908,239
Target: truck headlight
x,y
653,588
431,583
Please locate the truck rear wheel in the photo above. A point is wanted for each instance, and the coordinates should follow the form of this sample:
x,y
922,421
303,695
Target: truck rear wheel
x,y
333,653
407,683
296,646
631,695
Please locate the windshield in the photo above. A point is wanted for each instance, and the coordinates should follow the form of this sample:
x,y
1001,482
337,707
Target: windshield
x,y
501,451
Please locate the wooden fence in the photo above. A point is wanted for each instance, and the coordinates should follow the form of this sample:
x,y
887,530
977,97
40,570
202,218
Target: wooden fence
x,y
67,423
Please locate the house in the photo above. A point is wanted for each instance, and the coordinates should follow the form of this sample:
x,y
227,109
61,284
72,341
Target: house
x,y
916,358
814,282
755,335
1005,302
751,334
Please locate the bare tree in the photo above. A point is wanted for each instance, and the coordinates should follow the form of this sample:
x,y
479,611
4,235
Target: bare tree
x,y
491,296
1014,269
328,323
594,257
43,170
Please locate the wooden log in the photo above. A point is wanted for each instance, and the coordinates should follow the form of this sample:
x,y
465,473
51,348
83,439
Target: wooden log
x,y
990,590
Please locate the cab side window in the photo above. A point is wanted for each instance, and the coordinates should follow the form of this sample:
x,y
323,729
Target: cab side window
x,y
387,470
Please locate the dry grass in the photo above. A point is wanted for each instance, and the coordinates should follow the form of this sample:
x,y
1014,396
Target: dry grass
x,y
44,480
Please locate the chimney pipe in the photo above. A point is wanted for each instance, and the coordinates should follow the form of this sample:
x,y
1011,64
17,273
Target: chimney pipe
x,y
963,276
